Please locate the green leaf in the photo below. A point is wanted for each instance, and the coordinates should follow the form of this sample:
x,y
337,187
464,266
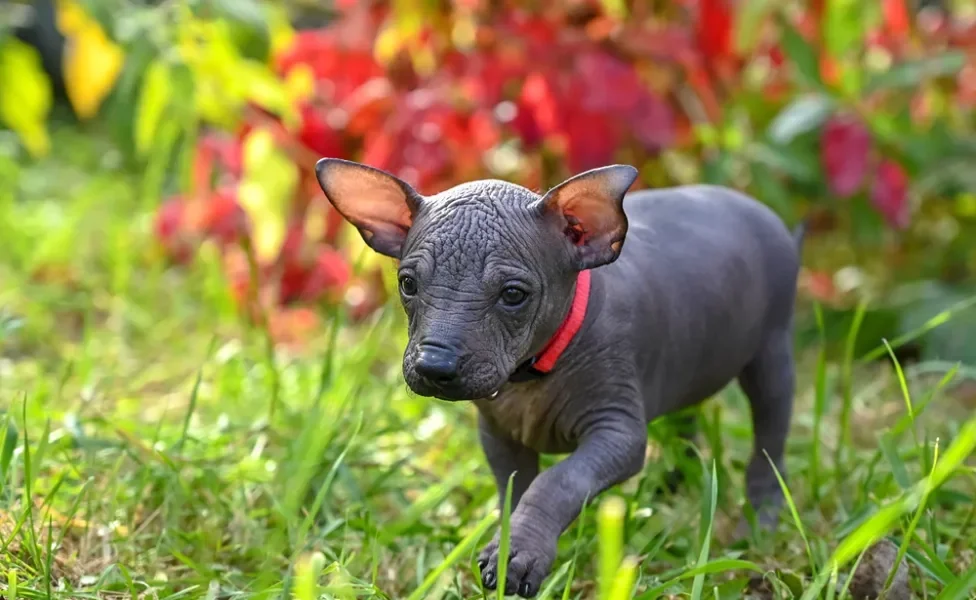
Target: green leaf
x,y
845,24
796,164
26,96
803,115
911,74
803,56
249,26
153,100
748,23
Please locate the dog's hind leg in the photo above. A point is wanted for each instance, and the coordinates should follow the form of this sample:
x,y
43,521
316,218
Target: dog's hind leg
x,y
769,381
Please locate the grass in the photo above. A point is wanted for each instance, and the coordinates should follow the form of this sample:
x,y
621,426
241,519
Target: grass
x,y
142,453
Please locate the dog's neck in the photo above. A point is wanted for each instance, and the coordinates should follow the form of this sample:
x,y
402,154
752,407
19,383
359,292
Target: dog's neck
x,y
543,362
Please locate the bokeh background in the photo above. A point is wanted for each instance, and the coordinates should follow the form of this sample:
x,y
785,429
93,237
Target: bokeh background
x,y
159,211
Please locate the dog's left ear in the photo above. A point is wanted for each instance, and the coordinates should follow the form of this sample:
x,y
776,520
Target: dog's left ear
x,y
590,209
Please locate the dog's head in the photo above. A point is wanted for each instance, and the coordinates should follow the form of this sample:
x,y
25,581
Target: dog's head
x,y
486,268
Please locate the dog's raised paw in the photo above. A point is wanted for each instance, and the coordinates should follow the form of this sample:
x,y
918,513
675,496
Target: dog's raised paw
x,y
528,566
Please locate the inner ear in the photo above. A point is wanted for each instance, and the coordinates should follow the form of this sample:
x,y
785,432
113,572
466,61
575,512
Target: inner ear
x,y
381,206
591,207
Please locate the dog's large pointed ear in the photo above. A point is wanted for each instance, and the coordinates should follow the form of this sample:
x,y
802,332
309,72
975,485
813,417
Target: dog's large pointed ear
x,y
381,206
589,208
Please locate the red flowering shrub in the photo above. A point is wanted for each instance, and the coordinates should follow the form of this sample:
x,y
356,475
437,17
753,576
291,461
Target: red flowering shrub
x,y
533,95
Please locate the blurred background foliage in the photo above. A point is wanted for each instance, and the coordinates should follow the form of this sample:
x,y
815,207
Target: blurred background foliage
x,y
855,116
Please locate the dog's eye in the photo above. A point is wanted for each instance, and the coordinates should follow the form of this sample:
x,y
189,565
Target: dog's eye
x,y
512,296
408,285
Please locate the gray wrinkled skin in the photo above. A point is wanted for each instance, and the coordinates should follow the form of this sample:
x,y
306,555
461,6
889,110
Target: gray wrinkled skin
x,y
467,244
701,295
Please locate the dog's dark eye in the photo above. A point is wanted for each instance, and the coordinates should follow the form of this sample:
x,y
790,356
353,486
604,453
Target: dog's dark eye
x,y
512,296
408,285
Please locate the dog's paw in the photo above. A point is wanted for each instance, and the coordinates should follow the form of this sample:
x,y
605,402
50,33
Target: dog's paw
x,y
767,520
528,565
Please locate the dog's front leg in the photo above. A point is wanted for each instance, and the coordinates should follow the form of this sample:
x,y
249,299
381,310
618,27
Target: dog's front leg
x,y
610,452
506,456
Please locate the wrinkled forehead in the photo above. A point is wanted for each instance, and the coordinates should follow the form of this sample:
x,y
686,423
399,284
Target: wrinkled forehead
x,y
469,226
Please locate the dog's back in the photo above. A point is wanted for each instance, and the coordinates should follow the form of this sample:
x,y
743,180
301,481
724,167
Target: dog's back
x,y
705,274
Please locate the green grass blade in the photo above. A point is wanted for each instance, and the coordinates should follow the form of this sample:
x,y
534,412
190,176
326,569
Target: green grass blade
x,y
624,580
504,542
793,512
710,568
906,396
576,549
9,445
884,520
960,588
463,547
937,321
910,531
698,583
818,584
819,405
847,389
610,530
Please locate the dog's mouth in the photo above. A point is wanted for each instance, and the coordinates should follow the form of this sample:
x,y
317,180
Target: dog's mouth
x,y
450,393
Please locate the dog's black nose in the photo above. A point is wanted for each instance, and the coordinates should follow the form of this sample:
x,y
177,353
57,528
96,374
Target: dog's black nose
x,y
437,364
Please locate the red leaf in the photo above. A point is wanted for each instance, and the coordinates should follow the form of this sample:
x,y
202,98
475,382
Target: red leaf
x,y
845,148
714,29
329,275
225,219
316,134
606,83
896,18
889,194
172,232
652,123
484,130
540,98
526,126
592,140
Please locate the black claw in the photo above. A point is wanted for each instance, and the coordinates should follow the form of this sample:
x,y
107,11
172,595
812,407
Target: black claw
x,y
482,563
489,580
525,589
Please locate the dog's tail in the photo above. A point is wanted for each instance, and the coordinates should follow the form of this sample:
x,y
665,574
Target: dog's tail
x,y
800,233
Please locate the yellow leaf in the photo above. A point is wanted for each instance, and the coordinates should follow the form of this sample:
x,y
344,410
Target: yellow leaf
x,y
26,97
280,29
92,62
615,8
269,182
153,99
300,82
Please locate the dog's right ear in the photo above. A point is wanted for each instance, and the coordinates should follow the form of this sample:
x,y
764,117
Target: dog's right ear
x,y
381,206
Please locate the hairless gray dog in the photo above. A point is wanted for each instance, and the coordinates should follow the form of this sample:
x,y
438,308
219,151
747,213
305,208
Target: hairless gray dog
x,y
569,341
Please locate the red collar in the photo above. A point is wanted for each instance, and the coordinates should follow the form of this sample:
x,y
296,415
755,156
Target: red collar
x,y
544,361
